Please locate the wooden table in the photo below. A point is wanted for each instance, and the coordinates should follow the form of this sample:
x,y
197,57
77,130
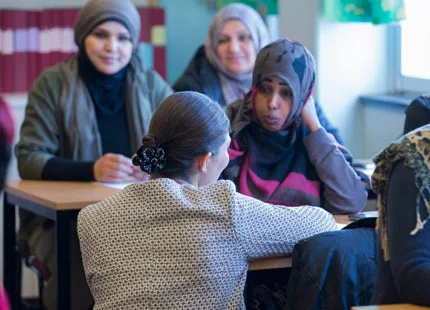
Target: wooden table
x,y
61,202
391,307
286,261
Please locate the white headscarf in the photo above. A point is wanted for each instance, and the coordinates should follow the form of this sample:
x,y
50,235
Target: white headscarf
x,y
234,86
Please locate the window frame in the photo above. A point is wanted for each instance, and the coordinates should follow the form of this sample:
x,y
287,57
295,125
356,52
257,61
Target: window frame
x,y
399,82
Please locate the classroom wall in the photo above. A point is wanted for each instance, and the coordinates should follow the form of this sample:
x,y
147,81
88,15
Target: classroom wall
x,y
184,36
351,61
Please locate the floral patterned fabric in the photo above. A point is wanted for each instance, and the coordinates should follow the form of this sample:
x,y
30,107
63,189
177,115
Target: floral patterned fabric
x,y
414,149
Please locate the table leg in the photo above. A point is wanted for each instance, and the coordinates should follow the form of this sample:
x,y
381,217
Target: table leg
x,y
63,260
10,257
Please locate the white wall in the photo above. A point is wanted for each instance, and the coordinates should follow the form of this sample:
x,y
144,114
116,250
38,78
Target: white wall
x,y
382,125
187,23
351,61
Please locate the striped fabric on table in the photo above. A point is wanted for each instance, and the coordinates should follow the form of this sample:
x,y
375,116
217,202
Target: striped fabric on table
x,y
33,40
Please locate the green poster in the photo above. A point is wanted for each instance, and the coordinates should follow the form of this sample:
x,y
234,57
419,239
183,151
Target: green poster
x,y
375,11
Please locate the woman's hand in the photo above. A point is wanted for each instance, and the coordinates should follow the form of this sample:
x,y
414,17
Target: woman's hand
x,y
139,175
113,168
309,116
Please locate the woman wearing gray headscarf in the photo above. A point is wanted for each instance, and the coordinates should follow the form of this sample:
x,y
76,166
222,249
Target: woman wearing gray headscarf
x,y
84,119
222,68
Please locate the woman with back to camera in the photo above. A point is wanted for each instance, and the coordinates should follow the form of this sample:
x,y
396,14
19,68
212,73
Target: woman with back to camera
x,y
84,119
183,240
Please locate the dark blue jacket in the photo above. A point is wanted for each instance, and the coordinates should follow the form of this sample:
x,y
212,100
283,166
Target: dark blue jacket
x,y
201,76
334,270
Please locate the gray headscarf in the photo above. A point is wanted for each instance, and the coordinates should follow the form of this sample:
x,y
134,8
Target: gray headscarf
x,y
97,11
234,85
293,63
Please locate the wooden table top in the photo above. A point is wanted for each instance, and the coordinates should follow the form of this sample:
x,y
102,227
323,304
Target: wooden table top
x,y
76,195
60,195
391,307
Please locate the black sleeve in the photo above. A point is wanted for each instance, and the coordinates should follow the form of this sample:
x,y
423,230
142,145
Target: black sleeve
x,y
410,254
326,123
417,113
187,83
60,169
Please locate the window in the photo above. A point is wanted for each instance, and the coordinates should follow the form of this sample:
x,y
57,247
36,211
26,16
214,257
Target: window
x,y
412,43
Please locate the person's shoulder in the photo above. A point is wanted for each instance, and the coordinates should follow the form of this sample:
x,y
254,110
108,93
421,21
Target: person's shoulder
x,y
144,74
54,76
198,74
50,74
224,185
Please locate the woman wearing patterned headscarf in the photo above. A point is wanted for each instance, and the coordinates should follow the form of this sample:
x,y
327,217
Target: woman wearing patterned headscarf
x,y
84,119
222,68
280,153
402,182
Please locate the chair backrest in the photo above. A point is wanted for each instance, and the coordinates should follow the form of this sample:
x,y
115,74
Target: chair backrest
x,y
417,113
334,270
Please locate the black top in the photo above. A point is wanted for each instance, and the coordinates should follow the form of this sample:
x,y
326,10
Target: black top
x,y
108,93
405,277
201,76
417,113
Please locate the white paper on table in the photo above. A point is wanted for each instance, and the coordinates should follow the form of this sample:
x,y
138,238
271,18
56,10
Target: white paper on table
x,y
340,226
116,185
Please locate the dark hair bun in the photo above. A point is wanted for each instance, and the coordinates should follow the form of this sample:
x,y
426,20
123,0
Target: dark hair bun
x,y
150,157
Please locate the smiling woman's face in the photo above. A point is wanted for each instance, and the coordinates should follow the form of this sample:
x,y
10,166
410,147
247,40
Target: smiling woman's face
x,y
273,102
236,49
109,47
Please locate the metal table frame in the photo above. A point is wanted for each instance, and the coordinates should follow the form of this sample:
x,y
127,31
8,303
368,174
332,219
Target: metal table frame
x,y
62,219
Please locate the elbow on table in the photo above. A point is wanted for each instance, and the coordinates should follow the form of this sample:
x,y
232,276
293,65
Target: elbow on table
x,y
359,203
27,169
348,205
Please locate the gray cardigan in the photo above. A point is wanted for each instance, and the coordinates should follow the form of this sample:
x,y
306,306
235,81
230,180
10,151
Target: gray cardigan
x,y
164,245
60,117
